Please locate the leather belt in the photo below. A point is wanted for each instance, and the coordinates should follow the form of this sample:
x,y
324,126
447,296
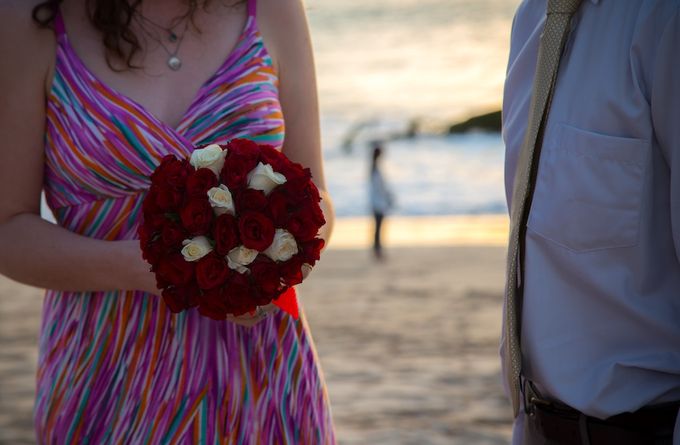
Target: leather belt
x,y
552,422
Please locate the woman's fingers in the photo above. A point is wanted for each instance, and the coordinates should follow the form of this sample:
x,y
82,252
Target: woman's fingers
x,y
249,320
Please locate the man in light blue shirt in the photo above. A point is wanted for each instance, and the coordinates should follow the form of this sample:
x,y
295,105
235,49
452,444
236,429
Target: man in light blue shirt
x,y
600,325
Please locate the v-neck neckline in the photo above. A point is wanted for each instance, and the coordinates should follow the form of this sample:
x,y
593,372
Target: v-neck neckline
x,y
177,128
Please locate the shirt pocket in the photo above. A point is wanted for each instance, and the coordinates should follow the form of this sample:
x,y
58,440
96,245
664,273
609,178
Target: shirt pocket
x,y
589,190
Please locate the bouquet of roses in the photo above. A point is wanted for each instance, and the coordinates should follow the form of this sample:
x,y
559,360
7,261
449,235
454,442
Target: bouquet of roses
x,y
232,228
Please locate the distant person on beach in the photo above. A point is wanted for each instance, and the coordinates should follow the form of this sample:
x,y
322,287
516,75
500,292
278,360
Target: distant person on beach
x,y
381,199
95,93
591,345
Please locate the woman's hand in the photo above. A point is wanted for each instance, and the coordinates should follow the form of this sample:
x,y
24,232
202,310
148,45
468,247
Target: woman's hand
x,y
261,313
141,277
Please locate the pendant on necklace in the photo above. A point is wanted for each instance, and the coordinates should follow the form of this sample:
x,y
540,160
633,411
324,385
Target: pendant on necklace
x,y
174,63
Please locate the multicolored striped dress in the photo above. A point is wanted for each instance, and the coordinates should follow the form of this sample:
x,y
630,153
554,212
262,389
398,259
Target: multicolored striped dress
x,y
118,367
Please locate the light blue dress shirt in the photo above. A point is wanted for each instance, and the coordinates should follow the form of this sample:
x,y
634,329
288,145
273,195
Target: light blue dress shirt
x,y
601,312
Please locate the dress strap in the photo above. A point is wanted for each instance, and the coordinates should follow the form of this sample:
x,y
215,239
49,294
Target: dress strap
x,y
252,9
59,28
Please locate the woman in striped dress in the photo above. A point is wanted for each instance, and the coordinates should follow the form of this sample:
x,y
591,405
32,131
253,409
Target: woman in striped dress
x,y
94,94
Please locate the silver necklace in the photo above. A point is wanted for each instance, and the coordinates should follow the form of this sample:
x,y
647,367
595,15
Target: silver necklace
x,y
173,62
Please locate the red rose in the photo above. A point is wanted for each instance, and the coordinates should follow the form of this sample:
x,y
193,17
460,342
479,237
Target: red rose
x,y
304,224
294,171
153,251
197,216
251,199
169,181
297,173
171,172
301,191
145,233
311,250
174,299
242,157
291,270
317,211
257,231
173,234
312,192
244,148
149,206
155,222
200,181
294,191
239,295
212,304
174,270
211,271
278,207
273,157
181,298
265,274
192,293
166,199
225,233
261,298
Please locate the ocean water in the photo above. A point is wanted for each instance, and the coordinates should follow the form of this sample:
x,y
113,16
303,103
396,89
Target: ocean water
x,y
384,63
430,175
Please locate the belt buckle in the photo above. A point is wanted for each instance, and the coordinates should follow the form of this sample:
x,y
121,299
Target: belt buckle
x,y
532,397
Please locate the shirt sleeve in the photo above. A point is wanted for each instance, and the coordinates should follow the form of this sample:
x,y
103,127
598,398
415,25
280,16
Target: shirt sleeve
x,y
665,105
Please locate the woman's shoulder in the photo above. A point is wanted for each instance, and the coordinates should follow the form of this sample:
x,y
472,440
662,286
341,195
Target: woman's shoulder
x,y
280,16
25,46
283,25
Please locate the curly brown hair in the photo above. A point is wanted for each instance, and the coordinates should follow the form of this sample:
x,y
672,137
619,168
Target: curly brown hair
x,y
112,18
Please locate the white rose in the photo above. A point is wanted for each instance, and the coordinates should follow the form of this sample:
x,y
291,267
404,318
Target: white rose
x,y
239,257
221,200
211,157
196,248
283,247
263,177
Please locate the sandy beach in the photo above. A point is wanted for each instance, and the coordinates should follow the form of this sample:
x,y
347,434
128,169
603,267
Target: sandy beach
x,y
409,347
